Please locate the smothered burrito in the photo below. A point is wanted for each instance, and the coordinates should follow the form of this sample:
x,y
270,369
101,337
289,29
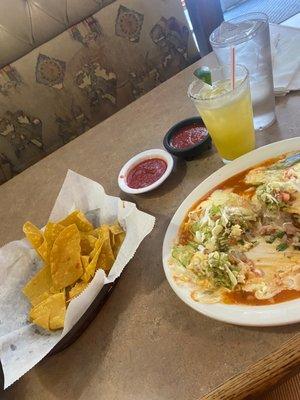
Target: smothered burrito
x,y
241,242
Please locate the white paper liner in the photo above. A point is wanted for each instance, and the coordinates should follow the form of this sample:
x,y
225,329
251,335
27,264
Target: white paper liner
x,y
23,344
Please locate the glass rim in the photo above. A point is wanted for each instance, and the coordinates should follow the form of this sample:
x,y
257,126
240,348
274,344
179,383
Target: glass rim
x,y
215,43
192,97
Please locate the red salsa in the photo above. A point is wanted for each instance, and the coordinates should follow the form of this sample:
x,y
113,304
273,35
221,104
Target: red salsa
x,y
188,136
145,173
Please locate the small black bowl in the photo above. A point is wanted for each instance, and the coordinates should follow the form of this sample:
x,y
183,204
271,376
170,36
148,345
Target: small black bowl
x,y
188,152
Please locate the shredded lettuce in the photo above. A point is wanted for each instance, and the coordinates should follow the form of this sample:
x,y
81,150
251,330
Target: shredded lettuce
x,y
220,271
221,226
266,193
215,211
183,254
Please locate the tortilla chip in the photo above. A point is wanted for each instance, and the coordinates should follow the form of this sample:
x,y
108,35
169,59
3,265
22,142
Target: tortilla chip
x,y
43,251
79,219
99,242
50,313
65,262
112,239
87,242
90,269
77,289
106,257
52,230
58,313
117,236
116,228
42,321
33,234
119,239
85,262
57,321
102,231
39,286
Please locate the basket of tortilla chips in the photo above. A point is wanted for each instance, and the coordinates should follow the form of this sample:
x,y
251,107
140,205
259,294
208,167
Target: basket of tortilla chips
x,y
72,250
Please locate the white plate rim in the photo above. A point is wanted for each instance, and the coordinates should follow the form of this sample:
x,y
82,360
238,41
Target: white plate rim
x,y
272,315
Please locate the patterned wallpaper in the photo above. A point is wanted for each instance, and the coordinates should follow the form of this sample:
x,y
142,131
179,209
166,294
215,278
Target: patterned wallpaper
x,y
87,73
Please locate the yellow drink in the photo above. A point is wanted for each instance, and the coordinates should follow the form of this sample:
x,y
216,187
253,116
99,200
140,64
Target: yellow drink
x,y
228,116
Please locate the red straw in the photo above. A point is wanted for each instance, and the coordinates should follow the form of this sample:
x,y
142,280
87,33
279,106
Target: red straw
x,y
232,68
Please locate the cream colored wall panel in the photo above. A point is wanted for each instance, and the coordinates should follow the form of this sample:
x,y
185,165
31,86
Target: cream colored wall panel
x,y
26,24
43,26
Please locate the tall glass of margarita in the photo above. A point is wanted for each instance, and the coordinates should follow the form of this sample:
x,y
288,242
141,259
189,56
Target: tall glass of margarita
x,y
226,110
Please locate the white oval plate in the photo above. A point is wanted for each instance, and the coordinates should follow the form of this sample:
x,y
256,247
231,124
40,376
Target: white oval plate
x,y
270,315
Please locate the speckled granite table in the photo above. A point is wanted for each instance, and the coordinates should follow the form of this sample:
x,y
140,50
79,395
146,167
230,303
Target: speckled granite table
x,y
145,343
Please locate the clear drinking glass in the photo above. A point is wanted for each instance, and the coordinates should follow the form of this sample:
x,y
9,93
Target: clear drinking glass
x,y
250,36
226,110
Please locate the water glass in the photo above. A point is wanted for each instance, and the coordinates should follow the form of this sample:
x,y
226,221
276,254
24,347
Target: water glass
x,y
249,35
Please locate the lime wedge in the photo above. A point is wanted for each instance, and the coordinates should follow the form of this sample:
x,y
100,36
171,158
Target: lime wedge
x,y
204,74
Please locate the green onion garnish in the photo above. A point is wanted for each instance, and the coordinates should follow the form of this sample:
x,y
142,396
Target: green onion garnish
x,y
282,247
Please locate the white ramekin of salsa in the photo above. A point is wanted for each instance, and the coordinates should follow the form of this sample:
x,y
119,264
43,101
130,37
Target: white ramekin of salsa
x,y
145,171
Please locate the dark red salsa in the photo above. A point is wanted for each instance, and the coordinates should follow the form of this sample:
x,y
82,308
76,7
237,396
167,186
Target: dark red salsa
x,y
145,173
188,136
